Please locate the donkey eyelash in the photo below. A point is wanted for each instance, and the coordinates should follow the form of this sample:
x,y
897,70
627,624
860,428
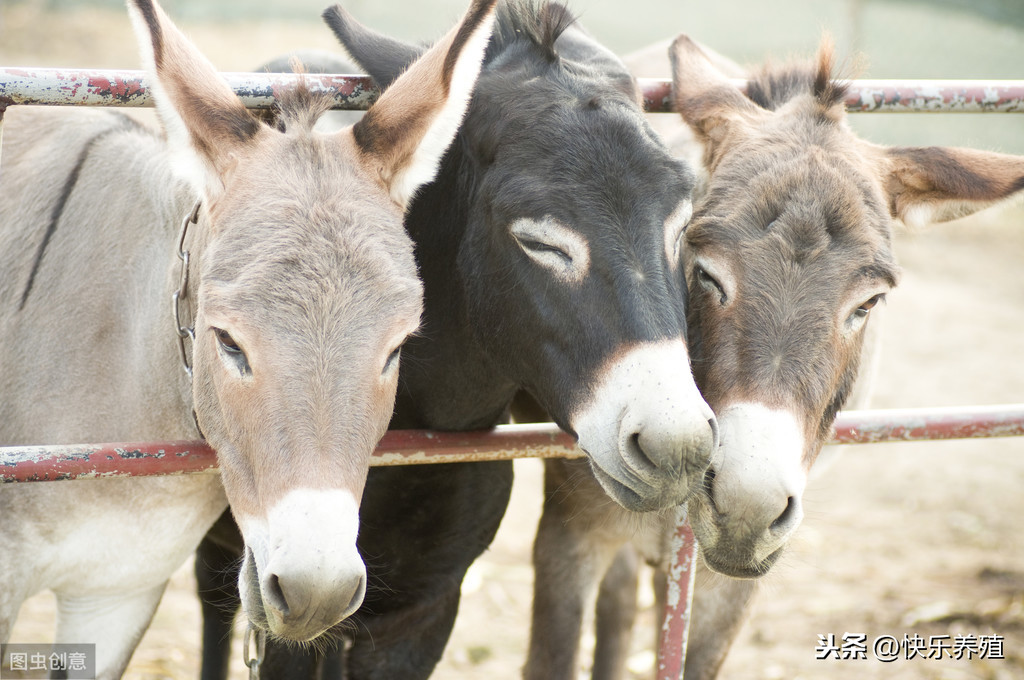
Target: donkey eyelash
x,y
710,283
392,359
231,353
863,310
540,247
226,341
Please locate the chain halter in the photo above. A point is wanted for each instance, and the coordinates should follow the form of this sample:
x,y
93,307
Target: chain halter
x,y
253,635
184,331
259,638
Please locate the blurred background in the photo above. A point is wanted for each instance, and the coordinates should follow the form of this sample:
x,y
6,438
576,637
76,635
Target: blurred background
x,y
900,538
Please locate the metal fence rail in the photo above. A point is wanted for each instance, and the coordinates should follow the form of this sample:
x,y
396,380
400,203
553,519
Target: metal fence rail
x,y
505,442
54,86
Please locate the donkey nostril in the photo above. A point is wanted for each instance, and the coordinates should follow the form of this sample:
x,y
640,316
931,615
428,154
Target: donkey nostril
x,y
274,595
638,450
787,515
358,594
713,422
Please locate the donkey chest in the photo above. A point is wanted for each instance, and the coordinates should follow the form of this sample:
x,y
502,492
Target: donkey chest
x,y
80,532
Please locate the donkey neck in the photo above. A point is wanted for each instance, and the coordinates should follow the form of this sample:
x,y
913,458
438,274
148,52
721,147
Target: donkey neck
x,y
447,380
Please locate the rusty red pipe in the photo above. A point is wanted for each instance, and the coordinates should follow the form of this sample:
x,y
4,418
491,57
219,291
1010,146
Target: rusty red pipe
x,y
410,447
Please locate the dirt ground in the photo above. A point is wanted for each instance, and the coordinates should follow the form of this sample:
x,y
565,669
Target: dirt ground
x,y
920,538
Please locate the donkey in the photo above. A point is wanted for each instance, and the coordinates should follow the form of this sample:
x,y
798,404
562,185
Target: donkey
x,y
547,248
303,286
788,253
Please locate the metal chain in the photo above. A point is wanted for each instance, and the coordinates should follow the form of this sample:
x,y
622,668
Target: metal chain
x,y
184,331
254,662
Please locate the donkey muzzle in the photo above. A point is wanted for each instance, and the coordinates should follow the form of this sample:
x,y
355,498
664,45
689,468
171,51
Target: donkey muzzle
x,y
648,432
302,573
753,490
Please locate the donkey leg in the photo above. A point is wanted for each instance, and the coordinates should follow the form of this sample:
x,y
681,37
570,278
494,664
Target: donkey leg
x,y
12,594
569,559
114,623
216,570
563,578
720,606
405,643
420,531
615,615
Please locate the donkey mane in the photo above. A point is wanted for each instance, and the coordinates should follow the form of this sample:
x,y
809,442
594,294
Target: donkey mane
x,y
541,24
299,108
774,85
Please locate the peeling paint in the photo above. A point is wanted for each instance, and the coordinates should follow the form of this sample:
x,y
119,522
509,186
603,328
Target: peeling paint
x,y
104,87
895,425
892,96
675,628
92,461
386,458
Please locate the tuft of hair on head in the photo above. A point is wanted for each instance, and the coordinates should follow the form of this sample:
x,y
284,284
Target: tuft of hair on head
x,y
826,88
299,108
775,85
540,24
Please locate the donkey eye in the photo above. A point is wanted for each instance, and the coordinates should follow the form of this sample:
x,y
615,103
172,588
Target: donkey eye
x,y
391,363
709,283
541,247
863,310
558,248
226,342
392,359
231,353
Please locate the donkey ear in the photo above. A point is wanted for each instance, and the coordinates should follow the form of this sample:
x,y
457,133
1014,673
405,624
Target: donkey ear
x,y
206,124
382,57
406,132
709,103
936,184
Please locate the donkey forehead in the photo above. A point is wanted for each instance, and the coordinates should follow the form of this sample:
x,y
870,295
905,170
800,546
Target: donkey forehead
x,y
813,194
803,161
791,255
604,118
590,114
318,233
308,168
353,317
607,166
305,257
302,195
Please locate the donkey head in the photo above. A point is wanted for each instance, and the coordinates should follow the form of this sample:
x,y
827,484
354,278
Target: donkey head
x,y
307,288
787,254
569,213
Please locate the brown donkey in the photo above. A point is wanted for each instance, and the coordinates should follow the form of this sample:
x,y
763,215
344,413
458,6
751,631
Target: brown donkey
x,y
788,252
302,288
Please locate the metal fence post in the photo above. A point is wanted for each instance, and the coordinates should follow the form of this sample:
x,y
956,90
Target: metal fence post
x,y
675,627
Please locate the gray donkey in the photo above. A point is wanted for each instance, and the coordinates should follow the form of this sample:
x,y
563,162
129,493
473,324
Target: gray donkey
x,y
294,289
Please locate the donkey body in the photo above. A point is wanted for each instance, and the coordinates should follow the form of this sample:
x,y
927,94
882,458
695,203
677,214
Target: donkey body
x,y
302,286
788,253
546,247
